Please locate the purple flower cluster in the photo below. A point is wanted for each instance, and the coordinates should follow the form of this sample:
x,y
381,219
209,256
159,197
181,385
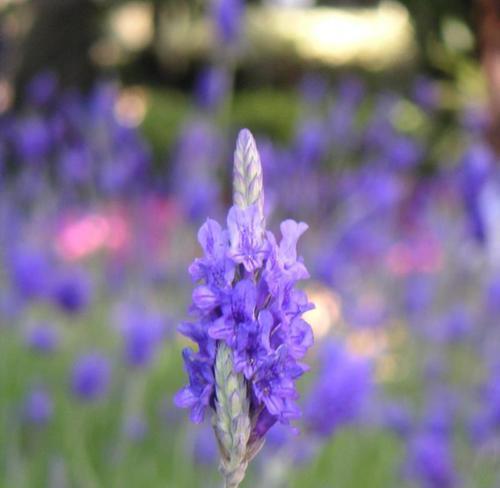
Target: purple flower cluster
x,y
228,20
71,141
90,376
340,392
430,462
38,406
246,298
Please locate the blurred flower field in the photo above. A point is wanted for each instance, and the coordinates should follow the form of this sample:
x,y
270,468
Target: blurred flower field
x,y
102,195
96,242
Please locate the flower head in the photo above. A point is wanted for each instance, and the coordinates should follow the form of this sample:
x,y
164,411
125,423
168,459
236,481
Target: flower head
x,y
42,338
228,20
142,332
430,461
38,406
340,392
247,322
90,376
71,291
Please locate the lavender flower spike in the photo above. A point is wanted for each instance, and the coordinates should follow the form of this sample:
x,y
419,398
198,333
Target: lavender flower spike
x,y
232,418
248,324
247,178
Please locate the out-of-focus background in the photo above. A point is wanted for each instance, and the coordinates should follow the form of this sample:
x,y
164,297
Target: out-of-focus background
x,y
378,124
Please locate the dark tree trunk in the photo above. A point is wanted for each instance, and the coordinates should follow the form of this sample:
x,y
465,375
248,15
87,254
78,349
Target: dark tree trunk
x,y
60,40
489,45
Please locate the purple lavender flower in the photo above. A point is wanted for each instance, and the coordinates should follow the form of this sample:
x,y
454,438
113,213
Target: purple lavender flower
x,y
313,88
342,116
76,165
311,142
440,412
38,406
142,332
246,237
486,421
340,391
456,325
198,394
30,272
211,88
90,376
248,324
32,140
71,291
237,323
397,418
404,153
430,461
492,298
425,93
11,306
418,294
473,173
228,16
43,338
41,89
196,158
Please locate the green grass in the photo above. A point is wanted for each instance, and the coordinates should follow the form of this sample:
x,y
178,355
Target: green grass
x,y
84,443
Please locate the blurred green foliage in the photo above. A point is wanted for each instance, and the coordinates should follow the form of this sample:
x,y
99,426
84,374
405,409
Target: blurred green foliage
x,y
267,111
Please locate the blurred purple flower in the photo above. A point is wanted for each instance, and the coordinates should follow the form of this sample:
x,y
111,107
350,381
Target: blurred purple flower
x,y
30,272
457,325
440,412
351,89
38,406
228,18
310,143
142,331
340,392
492,297
313,88
198,153
42,338
211,88
430,461
342,116
397,418
32,139
473,173
404,153
419,292
76,165
42,88
90,376
488,416
475,119
11,306
371,311
72,291
425,93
